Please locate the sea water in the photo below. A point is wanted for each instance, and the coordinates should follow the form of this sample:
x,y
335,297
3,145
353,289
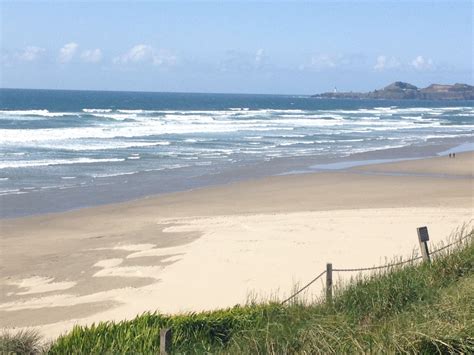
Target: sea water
x,y
93,142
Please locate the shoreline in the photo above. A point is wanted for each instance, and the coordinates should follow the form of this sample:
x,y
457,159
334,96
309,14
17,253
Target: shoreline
x,y
258,237
143,185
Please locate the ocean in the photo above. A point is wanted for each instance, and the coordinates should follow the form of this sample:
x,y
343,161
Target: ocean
x,y
63,150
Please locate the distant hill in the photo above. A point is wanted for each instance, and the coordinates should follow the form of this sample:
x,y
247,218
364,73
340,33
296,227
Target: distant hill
x,y
404,91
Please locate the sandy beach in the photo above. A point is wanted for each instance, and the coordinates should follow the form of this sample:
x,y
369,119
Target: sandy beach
x,y
219,246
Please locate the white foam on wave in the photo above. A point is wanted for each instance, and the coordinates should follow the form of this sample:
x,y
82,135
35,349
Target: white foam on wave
x,y
309,122
96,110
394,110
116,116
324,141
189,118
114,174
135,129
80,146
40,113
49,162
12,192
169,167
133,111
431,136
197,140
323,116
297,143
281,110
12,153
291,136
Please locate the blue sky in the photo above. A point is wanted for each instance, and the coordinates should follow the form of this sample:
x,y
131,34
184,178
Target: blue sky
x,y
290,47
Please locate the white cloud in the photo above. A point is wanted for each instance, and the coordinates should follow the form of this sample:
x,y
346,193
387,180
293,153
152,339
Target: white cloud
x,y
420,63
138,53
27,54
92,55
259,56
327,61
383,63
143,53
67,52
31,53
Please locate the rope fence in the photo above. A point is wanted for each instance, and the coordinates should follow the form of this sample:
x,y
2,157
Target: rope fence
x,y
304,288
378,267
423,245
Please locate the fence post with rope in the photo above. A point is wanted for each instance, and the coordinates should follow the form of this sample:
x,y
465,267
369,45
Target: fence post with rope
x,y
329,282
422,238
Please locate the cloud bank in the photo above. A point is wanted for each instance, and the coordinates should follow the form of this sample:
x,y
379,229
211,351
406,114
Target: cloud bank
x,y
143,53
422,63
31,53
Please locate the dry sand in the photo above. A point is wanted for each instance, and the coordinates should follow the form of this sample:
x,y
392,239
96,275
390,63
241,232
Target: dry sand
x,y
217,246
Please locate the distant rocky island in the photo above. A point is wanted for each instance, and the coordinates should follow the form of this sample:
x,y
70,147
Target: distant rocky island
x,y
405,91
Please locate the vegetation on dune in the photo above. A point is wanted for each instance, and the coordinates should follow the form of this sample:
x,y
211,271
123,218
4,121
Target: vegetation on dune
x,y
22,342
417,308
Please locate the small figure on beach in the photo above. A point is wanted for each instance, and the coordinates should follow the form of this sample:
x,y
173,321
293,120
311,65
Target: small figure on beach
x,y
454,155
450,155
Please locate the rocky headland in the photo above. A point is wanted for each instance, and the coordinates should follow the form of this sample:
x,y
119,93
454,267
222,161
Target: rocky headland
x,y
404,91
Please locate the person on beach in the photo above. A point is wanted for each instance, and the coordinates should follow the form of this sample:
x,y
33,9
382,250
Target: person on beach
x,y
450,155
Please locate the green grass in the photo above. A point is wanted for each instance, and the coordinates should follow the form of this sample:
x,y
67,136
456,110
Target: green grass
x,y
422,308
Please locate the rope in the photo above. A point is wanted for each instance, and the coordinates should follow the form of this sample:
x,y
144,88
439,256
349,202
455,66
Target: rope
x,y
451,244
378,267
405,261
374,267
304,288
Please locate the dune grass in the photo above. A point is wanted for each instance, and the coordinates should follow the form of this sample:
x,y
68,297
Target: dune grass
x,y
22,342
417,308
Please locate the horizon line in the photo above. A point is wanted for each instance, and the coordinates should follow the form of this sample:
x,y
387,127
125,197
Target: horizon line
x,y
208,93
156,92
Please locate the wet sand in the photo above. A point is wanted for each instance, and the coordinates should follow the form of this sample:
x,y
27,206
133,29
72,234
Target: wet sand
x,y
213,247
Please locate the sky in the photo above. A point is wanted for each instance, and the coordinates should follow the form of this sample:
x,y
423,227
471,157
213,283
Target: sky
x,y
274,47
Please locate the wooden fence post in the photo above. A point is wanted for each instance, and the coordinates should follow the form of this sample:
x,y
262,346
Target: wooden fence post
x,y
423,238
328,282
165,341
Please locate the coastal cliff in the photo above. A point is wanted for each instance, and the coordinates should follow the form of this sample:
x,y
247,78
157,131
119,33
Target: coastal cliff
x,y
404,91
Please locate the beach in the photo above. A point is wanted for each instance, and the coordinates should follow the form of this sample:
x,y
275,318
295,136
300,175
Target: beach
x,y
219,246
